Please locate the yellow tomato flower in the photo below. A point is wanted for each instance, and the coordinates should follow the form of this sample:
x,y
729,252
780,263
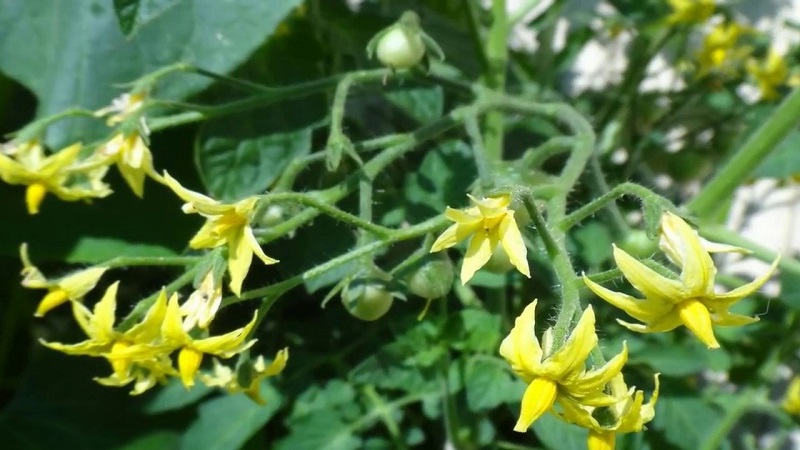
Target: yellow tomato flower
x,y
203,303
690,11
72,287
628,415
769,74
140,343
132,157
492,227
224,377
226,224
558,375
190,356
122,108
27,164
791,400
720,51
690,300
143,374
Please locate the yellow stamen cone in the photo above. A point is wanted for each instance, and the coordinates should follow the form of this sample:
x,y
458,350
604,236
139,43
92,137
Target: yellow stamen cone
x,y
696,317
52,300
34,196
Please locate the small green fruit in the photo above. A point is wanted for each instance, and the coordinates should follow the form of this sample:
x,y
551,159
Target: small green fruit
x,y
638,245
433,279
367,301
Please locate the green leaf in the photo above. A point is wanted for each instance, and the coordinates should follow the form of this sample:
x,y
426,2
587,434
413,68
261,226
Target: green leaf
x,y
489,384
422,104
672,359
244,154
693,417
80,53
558,435
595,242
474,331
228,421
157,440
323,430
443,179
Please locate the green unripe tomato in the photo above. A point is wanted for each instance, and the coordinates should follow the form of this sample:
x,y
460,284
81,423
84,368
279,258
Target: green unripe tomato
x,y
638,245
433,279
367,301
499,262
271,216
400,48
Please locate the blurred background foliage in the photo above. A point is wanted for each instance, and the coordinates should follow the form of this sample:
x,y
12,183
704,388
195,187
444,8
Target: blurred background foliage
x,y
398,382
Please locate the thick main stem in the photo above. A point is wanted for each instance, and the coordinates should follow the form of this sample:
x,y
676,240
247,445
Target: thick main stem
x,y
495,77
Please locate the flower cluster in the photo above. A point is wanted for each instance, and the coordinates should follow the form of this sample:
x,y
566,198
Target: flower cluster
x,y
141,354
71,177
558,377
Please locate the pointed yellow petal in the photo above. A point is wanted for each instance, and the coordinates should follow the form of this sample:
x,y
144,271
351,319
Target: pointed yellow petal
x,y
668,322
539,398
32,276
696,317
79,283
53,299
478,253
728,319
87,348
491,206
207,236
240,255
34,196
251,241
186,194
746,290
445,240
461,216
684,247
596,380
172,327
189,361
521,348
601,440
149,329
133,176
102,320
646,280
227,344
646,310
511,239
572,356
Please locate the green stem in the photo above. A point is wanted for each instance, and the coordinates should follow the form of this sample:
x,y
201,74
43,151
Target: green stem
x,y
495,77
600,184
429,226
130,261
553,146
644,194
747,158
319,203
380,407
479,152
36,129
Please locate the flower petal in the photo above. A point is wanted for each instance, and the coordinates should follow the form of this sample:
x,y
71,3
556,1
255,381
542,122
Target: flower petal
x,y
601,440
668,322
102,320
521,348
511,239
697,318
572,356
240,256
229,343
684,247
746,290
539,398
647,310
149,329
596,380
251,241
647,281
478,254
